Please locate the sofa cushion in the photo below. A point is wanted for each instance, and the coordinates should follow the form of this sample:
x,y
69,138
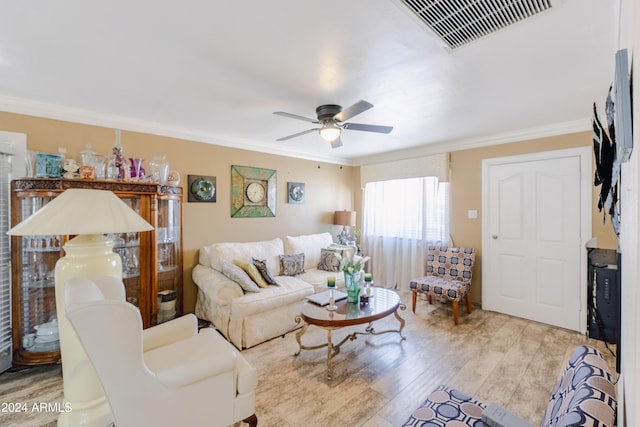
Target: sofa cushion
x,y
310,245
291,289
230,251
239,276
252,271
330,260
261,265
318,278
291,265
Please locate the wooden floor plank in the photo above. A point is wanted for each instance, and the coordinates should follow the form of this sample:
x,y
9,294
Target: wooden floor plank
x,y
379,380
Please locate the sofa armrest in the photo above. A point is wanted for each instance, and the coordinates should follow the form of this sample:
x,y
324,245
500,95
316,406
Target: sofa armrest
x,y
218,287
172,331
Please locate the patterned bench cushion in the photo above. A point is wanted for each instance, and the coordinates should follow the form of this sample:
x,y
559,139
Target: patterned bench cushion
x,y
585,395
453,290
447,405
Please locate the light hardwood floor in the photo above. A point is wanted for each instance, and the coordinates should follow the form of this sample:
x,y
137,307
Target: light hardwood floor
x,y
378,380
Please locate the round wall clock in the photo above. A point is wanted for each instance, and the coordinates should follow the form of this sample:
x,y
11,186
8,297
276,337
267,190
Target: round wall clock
x,y
296,192
255,192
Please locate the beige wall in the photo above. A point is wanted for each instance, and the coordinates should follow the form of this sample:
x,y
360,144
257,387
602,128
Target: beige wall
x,y
466,194
329,187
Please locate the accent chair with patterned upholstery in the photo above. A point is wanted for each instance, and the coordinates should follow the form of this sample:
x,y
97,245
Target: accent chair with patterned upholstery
x,y
448,276
584,396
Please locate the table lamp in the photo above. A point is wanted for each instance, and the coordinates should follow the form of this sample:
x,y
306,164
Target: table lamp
x,y
87,214
346,219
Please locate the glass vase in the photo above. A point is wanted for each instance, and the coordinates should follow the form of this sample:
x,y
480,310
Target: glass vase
x,y
352,286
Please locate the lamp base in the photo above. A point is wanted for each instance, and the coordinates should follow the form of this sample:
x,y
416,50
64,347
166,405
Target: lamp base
x,y
344,236
84,401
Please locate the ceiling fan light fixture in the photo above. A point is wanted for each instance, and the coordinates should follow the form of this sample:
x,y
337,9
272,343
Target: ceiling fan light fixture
x,y
329,131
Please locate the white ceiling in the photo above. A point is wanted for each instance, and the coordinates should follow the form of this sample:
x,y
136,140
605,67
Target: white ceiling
x,y
214,71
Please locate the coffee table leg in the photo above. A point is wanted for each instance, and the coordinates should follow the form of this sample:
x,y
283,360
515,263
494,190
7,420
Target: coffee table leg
x,y
329,355
299,335
400,319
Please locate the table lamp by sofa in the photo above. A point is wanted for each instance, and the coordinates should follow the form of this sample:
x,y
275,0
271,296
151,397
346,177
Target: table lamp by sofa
x,y
346,219
88,215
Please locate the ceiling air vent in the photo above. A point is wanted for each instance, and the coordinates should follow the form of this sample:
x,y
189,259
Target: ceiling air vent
x,y
458,22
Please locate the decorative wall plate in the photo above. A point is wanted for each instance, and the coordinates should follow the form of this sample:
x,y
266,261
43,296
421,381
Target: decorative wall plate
x,y
295,190
202,188
253,192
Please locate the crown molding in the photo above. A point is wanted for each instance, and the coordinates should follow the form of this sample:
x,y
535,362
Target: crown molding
x,y
563,128
75,115
57,112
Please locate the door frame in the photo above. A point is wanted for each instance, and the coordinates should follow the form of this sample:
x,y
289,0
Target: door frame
x,y
586,195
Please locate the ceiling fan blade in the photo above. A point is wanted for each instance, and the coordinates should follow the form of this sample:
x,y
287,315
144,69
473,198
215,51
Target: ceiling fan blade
x,y
295,116
336,143
296,134
367,128
353,110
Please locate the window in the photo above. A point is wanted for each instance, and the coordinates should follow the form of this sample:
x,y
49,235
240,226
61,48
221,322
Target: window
x,y
415,208
400,219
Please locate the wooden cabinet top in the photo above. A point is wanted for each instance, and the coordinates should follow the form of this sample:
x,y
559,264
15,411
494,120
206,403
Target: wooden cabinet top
x,y
61,184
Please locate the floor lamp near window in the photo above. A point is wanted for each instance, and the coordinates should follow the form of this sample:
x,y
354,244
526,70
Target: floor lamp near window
x,y
88,215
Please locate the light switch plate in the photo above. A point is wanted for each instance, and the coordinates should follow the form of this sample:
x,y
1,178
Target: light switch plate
x,y
472,214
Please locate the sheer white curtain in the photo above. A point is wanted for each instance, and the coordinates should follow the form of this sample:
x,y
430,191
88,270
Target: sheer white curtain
x,y
400,219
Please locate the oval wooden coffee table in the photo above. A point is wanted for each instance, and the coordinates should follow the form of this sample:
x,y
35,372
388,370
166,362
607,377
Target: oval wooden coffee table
x,y
383,303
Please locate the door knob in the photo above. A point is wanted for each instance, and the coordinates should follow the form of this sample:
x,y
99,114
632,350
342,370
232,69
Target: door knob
x,y
495,236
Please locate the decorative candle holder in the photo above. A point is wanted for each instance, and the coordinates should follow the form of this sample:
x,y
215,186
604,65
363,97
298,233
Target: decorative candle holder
x,y
368,282
331,284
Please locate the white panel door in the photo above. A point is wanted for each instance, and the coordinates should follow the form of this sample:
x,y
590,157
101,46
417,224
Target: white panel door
x,y
534,242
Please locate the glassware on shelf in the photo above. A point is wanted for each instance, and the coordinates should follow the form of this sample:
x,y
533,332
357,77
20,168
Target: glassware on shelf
x,y
136,171
159,169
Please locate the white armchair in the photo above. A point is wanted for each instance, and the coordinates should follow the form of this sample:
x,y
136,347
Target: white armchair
x,y
166,375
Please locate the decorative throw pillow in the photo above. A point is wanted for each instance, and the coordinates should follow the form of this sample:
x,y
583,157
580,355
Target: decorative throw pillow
x,y
261,265
252,271
291,265
329,260
238,275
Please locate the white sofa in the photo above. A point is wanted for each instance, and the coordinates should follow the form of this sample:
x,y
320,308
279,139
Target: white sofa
x,y
247,319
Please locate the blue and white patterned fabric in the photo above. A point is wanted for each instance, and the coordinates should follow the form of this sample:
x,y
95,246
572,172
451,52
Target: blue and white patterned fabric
x,y
448,272
585,396
447,407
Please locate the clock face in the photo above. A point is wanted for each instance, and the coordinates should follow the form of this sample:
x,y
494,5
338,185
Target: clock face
x,y
255,192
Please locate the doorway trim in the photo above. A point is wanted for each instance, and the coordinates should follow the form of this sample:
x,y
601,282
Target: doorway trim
x,y
586,208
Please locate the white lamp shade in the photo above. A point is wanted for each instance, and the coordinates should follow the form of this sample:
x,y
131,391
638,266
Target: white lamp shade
x,y
329,132
82,211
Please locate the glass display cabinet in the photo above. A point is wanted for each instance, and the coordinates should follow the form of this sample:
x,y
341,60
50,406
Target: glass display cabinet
x,y
151,261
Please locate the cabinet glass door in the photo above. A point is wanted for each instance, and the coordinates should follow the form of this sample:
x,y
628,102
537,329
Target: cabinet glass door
x,y
37,320
168,267
127,245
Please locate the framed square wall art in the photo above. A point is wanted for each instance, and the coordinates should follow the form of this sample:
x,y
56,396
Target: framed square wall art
x,y
295,192
201,188
253,192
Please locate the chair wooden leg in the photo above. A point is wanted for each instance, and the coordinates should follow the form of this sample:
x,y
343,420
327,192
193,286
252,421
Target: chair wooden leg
x,y
414,297
455,312
251,420
429,298
468,301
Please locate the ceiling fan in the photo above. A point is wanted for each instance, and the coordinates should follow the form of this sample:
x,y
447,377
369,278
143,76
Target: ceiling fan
x,y
331,117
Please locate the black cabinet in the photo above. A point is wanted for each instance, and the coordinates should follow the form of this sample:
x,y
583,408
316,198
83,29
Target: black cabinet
x,y
603,296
